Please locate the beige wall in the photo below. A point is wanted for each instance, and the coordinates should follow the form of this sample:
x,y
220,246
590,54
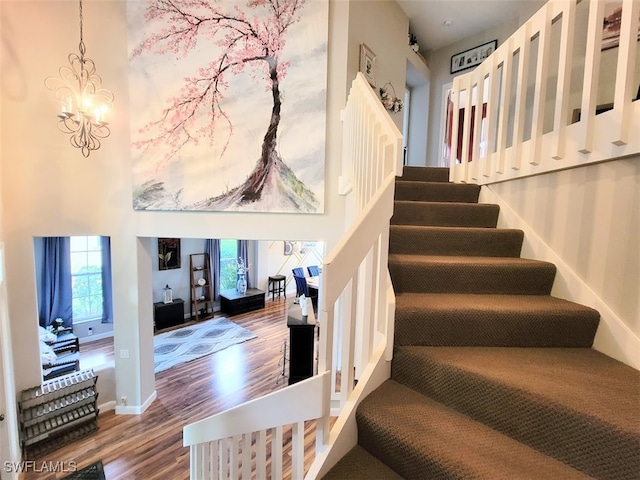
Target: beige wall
x,y
383,27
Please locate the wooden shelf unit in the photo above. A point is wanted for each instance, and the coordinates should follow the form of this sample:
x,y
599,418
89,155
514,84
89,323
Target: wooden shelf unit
x,y
201,295
58,412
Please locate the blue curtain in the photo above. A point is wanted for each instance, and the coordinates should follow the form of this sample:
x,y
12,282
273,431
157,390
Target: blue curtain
x,y
55,287
243,253
107,289
212,247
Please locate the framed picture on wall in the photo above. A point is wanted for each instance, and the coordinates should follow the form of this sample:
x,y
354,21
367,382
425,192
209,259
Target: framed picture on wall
x,y
168,253
611,25
472,57
368,64
288,247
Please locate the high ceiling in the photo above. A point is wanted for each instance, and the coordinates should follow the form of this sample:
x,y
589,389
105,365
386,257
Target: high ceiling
x,y
468,17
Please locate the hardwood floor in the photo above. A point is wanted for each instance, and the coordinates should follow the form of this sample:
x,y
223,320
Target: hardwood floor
x,y
149,446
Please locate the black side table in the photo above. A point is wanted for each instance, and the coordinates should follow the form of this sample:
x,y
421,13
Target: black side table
x,y
167,315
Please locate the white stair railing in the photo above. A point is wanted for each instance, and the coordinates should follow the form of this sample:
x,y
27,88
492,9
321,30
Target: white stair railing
x,y
532,118
356,322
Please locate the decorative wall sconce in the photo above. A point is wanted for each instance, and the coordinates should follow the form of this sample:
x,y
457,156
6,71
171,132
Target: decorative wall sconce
x,y
390,101
84,102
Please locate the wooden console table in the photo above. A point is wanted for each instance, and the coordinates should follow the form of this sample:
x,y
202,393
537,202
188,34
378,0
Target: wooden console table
x,y
233,302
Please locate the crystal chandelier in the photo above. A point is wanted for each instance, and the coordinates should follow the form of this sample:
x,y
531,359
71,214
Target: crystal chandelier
x,y
84,103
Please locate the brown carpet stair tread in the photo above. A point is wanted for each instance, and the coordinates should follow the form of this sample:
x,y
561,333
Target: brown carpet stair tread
x,y
574,404
433,174
457,274
446,214
466,241
581,380
467,260
423,439
492,320
436,191
359,464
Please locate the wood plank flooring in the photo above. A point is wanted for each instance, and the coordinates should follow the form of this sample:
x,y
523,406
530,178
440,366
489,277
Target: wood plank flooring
x,y
149,446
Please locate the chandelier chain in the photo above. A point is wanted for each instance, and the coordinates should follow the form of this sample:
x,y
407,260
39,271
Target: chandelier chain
x,y
82,47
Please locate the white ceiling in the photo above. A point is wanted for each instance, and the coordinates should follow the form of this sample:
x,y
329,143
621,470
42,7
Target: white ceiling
x,y
469,17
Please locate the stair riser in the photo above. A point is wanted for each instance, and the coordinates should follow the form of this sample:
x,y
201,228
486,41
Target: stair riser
x,y
526,279
437,192
492,329
584,442
478,242
445,214
422,174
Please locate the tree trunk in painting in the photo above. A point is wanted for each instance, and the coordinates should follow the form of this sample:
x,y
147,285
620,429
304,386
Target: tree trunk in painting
x,y
252,189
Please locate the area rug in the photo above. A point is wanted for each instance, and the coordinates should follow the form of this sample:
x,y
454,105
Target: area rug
x,y
94,471
195,341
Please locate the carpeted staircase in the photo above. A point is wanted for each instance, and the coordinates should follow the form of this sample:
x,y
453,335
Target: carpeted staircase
x,y
492,378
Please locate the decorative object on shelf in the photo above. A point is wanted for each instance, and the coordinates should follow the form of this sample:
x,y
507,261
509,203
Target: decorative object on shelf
x,y
390,102
368,64
168,253
472,57
241,285
413,42
167,294
84,101
58,325
202,282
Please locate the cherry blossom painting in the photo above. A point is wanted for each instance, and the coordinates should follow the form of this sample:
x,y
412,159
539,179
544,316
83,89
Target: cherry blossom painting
x,y
228,104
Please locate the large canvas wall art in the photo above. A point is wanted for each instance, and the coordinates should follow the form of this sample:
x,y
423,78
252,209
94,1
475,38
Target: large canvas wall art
x,y
228,104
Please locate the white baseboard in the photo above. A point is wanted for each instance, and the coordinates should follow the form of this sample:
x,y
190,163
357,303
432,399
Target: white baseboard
x,y
613,337
94,338
106,406
136,409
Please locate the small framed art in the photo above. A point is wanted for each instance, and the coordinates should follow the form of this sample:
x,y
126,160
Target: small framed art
x,y
168,253
368,64
472,57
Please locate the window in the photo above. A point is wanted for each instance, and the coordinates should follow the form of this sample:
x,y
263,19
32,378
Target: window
x,y
86,277
228,266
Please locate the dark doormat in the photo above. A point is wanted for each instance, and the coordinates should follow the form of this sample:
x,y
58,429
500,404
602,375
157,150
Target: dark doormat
x,y
92,472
